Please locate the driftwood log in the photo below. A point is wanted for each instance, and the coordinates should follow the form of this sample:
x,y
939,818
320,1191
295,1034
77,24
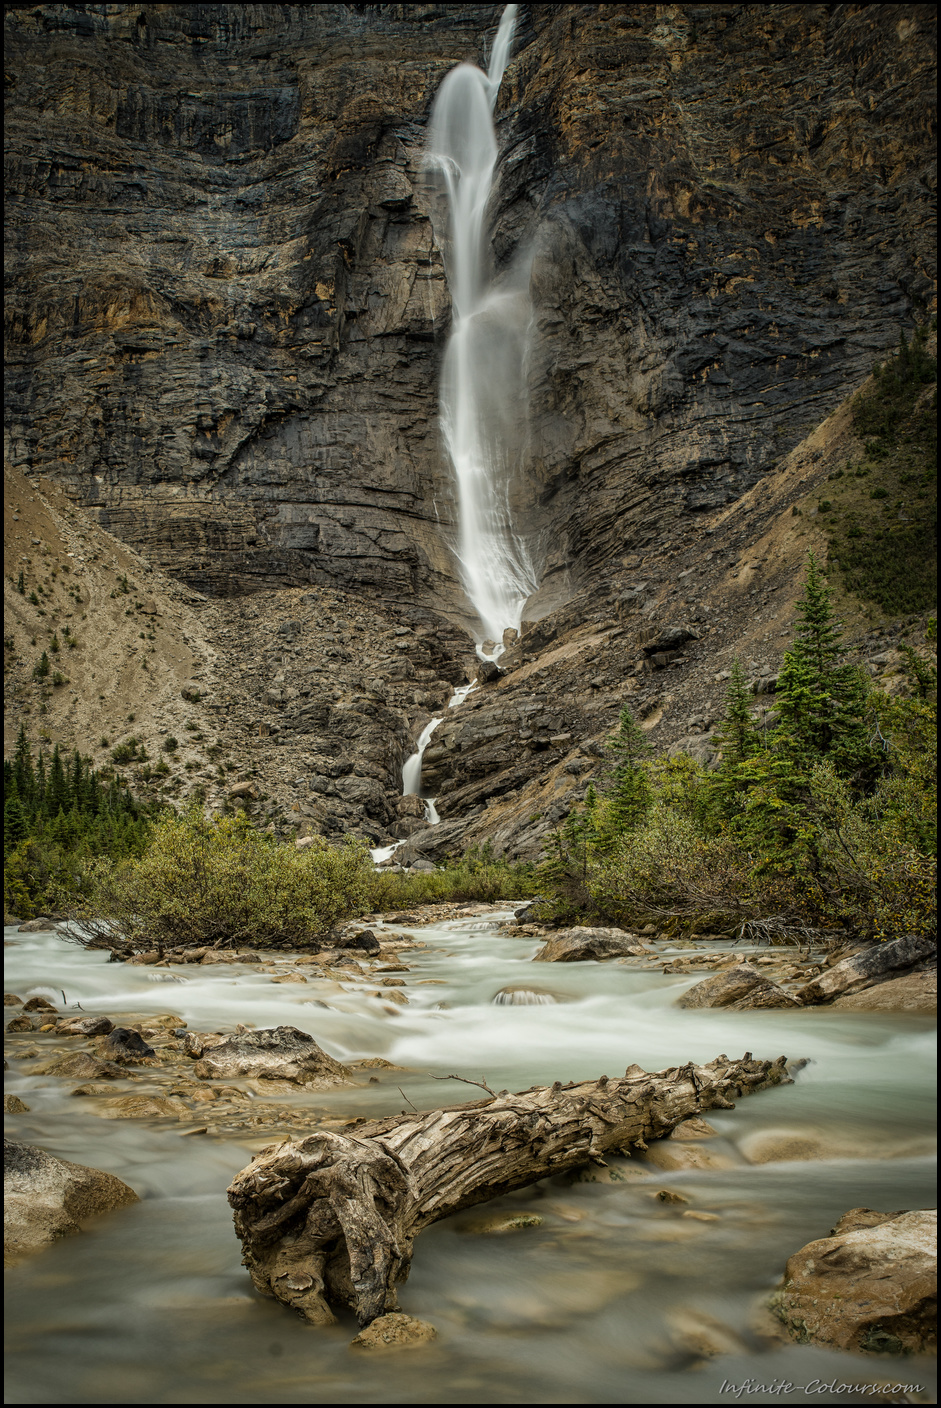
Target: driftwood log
x,y
330,1220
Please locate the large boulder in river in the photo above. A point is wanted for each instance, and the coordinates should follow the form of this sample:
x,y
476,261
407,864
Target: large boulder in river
x,y
871,1285
273,1053
865,968
45,1197
913,992
736,989
576,945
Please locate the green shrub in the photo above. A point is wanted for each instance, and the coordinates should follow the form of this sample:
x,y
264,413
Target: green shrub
x,y
478,875
224,883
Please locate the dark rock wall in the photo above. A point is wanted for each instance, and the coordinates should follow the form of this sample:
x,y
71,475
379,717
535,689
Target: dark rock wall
x,y
226,304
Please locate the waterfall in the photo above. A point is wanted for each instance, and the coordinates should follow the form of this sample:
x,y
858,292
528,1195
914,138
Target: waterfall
x,y
483,382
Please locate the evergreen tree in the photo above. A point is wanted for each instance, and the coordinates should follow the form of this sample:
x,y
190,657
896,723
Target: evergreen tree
x,y
57,788
15,824
629,745
737,736
627,795
822,703
23,765
739,742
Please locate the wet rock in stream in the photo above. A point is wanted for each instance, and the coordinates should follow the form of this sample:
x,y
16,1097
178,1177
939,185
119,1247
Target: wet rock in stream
x,y
82,1066
272,1053
46,1198
736,990
870,1286
84,1026
142,1107
578,944
394,1331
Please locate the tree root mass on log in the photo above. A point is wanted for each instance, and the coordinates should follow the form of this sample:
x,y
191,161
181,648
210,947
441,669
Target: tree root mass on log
x,y
330,1220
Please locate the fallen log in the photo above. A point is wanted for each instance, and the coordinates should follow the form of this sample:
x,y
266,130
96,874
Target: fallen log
x,y
330,1220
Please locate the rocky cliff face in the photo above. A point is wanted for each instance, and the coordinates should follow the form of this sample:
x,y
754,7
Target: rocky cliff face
x,y
228,304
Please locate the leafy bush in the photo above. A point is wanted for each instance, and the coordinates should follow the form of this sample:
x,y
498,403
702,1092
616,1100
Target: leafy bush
x,y
224,883
478,875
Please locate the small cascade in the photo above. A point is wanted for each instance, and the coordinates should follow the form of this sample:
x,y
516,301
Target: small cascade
x,y
411,772
483,379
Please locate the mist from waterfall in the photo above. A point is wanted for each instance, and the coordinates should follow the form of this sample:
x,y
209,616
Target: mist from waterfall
x,y
483,379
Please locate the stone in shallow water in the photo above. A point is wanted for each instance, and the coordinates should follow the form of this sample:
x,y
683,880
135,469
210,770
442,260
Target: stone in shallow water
x,y
580,944
869,1286
394,1331
272,1053
736,990
520,996
46,1197
499,1222
143,1107
81,1066
85,1026
13,1105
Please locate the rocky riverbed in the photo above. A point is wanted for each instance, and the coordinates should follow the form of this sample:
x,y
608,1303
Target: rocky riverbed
x,y
658,1266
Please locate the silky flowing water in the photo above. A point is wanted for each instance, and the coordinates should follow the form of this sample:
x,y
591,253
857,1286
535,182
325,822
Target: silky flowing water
x,y
151,1305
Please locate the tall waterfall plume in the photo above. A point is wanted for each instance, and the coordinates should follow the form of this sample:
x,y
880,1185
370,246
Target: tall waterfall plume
x,y
483,380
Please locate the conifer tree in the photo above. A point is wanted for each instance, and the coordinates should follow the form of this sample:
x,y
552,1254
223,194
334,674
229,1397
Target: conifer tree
x,y
821,701
23,765
737,736
15,824
628,793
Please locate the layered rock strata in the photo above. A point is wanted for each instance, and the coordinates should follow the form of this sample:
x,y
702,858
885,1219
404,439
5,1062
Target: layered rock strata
x,y
228,305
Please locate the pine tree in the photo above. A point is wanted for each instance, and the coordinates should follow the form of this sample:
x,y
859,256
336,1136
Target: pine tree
x,y
737,736
821,701
23,766
629,745
628,794
15,823
739,742
57,788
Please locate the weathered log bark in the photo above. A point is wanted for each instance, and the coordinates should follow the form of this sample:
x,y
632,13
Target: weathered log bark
x,y
331,1219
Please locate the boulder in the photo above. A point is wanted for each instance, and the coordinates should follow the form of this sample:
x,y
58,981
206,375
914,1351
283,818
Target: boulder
x,y
82,1066
870,1286
272,1053
578,944
488,672
737,989
84,1026
522,995
22,1023
433,843
35,926
10,999
46,1197
394,1331
865,968
674,1157
124,1044
362,941
655,640
915,992
40,1004
143,1107
13,1105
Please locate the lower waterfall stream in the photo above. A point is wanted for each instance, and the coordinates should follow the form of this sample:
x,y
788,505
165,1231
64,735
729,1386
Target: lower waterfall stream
x,y
599,1303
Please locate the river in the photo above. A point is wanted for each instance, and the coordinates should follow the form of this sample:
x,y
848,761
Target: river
x,y
600,1303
